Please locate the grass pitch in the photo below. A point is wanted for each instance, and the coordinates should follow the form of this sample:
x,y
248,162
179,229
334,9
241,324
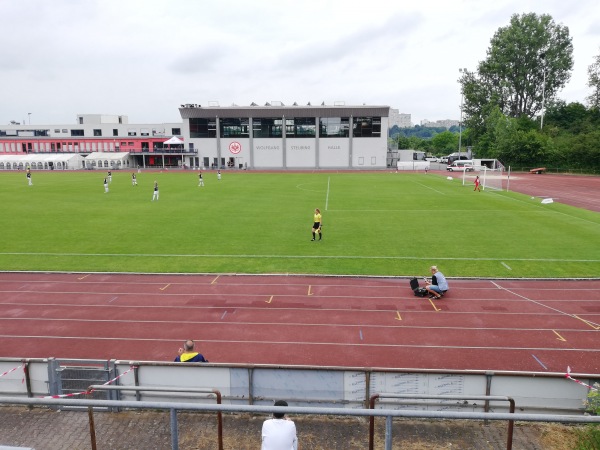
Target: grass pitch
x,y
373,224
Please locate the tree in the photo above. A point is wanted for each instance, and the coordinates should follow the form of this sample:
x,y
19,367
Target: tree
x,y
527,63
594,82
445,142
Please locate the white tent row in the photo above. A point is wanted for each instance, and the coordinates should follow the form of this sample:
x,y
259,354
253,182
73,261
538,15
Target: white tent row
x,y
42,161
101,160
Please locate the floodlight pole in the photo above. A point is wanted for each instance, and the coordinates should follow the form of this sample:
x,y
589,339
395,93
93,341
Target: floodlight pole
x,y
462,97
543,57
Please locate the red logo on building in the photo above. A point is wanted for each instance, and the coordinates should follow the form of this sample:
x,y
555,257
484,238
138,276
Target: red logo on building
x,y
235,147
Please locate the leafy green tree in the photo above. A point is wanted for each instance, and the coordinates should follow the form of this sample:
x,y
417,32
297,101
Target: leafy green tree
x,y
594,83
527,62
445,142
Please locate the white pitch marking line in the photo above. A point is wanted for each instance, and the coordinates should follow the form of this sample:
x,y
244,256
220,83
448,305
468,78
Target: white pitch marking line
x,y
505,265
415,258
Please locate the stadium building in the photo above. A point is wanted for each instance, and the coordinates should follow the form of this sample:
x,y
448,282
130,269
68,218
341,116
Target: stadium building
x,y
273,136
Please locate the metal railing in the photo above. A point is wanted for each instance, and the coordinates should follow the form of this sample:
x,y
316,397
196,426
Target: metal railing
x,y
486,398
191,392
389,415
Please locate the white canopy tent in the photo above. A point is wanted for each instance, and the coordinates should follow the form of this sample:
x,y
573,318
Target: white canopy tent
x,y
42,161
173,141
112,161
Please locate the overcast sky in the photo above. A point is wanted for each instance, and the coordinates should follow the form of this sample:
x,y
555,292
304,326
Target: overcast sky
x,y
144,58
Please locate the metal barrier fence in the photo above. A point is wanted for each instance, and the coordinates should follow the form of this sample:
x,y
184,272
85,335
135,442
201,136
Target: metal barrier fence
x,y
389,415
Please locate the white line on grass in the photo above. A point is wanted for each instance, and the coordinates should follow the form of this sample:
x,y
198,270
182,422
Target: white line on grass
x,y
505,265
545,209
205,255
429,187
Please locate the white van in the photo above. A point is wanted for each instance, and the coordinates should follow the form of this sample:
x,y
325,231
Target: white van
x,y
461,165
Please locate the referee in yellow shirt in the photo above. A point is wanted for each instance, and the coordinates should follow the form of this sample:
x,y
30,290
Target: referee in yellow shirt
x,y
317,225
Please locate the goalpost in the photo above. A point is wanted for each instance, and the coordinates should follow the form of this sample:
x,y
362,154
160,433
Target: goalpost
x,y
489,178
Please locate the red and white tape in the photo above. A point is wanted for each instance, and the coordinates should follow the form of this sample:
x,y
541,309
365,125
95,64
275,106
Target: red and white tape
x,y
12,370
568,376
90,390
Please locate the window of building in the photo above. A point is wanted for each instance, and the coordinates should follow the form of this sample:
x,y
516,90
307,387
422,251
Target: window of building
x,y
334,127
144,132
76,132
132,132
367,127
203,128
65,130
57,130
97,132
115,132
267,127
301,127
238,128
176,131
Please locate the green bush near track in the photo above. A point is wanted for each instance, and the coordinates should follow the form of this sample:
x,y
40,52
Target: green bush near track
x,y
390,224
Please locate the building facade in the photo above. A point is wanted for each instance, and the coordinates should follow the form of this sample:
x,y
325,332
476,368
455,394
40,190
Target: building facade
x,y
401,120
288,137
269,137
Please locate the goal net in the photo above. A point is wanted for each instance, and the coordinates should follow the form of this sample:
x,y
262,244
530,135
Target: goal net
x,y
493,179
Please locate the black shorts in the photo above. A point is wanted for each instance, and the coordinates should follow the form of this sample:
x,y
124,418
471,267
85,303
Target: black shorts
x,y
316,225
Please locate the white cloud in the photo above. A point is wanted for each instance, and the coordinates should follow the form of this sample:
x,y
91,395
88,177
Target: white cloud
x,y
145,58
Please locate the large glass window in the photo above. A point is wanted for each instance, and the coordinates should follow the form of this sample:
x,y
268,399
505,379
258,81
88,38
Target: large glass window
x,y
301,127
76,132
238,128
203,128
334,127
267,127
367,127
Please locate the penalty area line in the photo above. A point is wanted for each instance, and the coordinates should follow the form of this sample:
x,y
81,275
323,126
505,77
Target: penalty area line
x,y
254,256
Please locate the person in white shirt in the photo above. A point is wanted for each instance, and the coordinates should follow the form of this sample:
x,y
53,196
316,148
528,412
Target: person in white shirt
x,y
279,433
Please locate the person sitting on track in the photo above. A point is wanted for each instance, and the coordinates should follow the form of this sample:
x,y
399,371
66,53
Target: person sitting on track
x,y
438,285
187,353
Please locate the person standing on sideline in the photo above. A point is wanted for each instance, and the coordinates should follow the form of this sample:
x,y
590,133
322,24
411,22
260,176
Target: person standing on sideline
x,y
105,186
279,433
218,174
155,194
317,225
200,179
438,285
29,182
477,183
187,353
133,179
109,176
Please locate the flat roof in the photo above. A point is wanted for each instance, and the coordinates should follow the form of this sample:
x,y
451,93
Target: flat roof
x,y
200,112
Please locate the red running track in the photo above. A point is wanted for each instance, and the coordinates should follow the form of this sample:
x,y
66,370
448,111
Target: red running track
x,y
321,321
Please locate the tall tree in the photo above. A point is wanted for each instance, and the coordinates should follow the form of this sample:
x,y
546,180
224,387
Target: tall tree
x,y
528,62
594,83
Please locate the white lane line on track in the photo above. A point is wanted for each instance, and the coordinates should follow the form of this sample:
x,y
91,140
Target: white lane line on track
x,y
167,255
573,316
290,324
340,344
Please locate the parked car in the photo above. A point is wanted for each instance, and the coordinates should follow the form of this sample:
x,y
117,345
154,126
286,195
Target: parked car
x,y
459,166
444,160
431,159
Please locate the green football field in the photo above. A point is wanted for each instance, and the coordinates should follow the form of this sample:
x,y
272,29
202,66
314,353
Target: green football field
x,y
373,224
